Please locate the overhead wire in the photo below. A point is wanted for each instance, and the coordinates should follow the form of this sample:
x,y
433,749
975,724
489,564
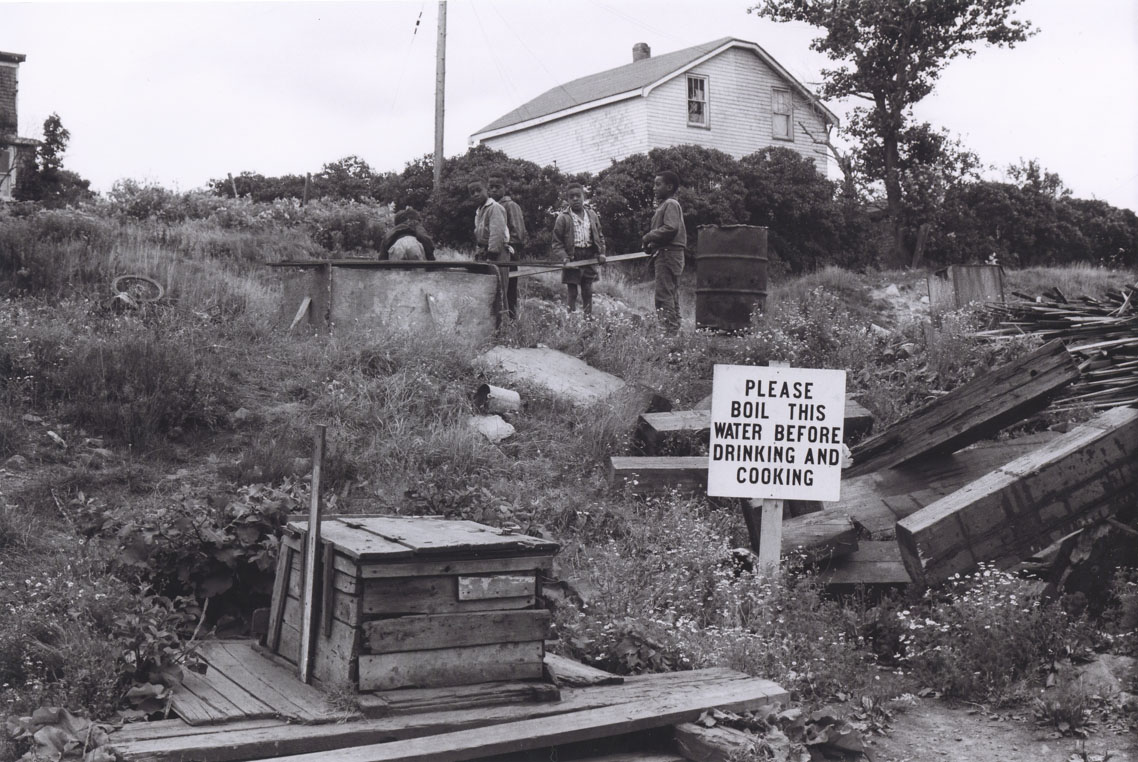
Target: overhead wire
x,y
406,58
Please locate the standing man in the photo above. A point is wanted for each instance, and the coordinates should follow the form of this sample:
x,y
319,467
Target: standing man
x,y
492,238
577,235
515,220
666,241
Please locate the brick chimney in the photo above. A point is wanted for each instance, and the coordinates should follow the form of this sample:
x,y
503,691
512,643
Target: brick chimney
x,y
640,51
9,68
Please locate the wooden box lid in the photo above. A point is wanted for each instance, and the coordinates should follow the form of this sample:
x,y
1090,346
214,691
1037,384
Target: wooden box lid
x,y
401,538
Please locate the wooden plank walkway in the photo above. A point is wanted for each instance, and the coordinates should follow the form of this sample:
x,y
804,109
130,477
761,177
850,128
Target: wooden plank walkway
x,y
583,713
241,684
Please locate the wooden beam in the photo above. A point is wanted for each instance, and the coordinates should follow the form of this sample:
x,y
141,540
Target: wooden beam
x,y
256,739
820,536
873,563
715,744
658,475
305,304
311,550
654,429
972,412
541,733
1081,477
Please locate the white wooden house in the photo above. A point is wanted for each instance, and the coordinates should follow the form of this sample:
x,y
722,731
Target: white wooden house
x,y
728,94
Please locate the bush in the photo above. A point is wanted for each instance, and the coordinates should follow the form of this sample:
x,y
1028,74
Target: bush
x,y
986,636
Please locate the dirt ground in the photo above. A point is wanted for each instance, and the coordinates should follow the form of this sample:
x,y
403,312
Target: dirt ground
x,y
932,731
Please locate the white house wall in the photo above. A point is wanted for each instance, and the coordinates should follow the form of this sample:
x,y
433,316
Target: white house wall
x,y
739,109
584,142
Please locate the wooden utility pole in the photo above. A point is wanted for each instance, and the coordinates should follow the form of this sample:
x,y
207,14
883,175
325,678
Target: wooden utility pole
x,y
311,549
440,94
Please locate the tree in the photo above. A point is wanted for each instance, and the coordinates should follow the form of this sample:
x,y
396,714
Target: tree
x,y
891,53
42,177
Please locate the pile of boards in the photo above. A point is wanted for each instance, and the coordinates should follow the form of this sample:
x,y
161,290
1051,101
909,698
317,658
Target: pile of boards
x,y
938,494
1101,333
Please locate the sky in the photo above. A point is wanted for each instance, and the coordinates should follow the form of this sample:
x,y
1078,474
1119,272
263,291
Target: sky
x,y
178,93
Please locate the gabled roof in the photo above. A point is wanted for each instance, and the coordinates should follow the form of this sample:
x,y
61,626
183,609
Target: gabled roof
x,y
634,79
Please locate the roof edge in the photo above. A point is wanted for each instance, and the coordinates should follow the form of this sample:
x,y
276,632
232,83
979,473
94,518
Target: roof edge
x,y
15,58
580,107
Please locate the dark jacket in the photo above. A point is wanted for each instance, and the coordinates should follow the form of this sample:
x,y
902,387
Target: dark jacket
x,y
407,228
563,234
668,230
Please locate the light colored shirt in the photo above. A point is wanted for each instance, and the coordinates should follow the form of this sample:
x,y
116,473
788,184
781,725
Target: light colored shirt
x,y
490,230
581,234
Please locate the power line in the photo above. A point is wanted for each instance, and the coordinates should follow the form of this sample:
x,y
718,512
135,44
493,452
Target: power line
x,y
406,58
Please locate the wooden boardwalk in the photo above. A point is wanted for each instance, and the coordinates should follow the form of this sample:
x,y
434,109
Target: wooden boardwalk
x,y
241,684
454,726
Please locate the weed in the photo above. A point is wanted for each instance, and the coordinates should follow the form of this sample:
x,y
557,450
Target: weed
x,y
1067,706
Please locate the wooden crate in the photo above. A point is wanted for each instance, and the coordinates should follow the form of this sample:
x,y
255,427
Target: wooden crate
x,y
415,602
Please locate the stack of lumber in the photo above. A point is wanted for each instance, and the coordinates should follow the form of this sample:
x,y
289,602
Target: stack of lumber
x,y
1101,333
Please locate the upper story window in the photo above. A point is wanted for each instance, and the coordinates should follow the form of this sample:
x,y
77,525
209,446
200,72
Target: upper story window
x,y
782,114
697,101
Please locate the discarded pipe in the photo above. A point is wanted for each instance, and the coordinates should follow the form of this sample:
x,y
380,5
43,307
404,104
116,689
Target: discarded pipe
x,y
494,399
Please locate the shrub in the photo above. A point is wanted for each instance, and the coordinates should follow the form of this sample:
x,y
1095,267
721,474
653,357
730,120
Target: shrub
x,y
986,637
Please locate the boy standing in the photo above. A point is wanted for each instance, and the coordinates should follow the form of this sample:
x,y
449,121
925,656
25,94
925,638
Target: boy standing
x,y
515,220
492,238
576,236
666,241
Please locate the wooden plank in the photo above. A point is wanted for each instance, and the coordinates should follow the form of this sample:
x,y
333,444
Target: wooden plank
x,y
819,536
198,702
426,632
427,595
341,580
305,304
344,608
654,429
260,738
327,576
657,475
336,654
484,587
439,567
433,536
456,697
289,647
1081,477
873,563
552,731
715,744
356,544
971,412
270,683
451,666
280,584
876,502
770,537
567,671
311,549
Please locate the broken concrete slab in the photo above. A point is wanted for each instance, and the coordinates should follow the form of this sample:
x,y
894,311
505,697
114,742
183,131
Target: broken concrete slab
x,y
564,376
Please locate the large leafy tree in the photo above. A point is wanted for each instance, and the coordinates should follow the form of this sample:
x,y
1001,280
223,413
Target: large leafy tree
x,y
890,53
42,177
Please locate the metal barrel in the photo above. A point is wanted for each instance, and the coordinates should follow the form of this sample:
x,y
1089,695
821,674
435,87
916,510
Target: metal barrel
x,y
731,275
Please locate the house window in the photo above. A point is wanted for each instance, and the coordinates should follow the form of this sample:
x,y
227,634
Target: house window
x,y
782,114
697,102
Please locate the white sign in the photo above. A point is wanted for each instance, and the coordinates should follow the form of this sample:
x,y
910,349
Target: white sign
x,y
776,433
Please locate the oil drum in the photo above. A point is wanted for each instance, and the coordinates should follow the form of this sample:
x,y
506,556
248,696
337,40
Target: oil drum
x,y
731,275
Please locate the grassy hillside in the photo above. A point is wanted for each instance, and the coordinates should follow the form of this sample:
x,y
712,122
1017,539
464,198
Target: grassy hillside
x,y
151,455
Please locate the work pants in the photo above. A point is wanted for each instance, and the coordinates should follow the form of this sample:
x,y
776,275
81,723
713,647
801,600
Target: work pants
x,y
669,265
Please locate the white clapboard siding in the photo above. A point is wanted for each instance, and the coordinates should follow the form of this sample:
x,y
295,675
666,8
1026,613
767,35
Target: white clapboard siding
x,y
585,142
739,92
739,98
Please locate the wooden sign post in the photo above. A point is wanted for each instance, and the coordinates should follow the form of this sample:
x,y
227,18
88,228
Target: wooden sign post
x,y
776,434
311,551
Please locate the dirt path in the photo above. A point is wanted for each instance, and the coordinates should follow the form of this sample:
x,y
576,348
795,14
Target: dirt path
x,y
934,731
